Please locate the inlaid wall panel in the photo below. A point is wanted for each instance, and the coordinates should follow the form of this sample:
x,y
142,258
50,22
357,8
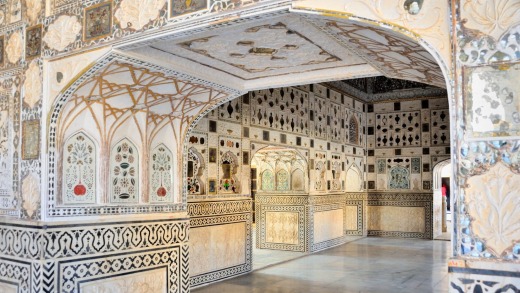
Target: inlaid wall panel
x,y
221,239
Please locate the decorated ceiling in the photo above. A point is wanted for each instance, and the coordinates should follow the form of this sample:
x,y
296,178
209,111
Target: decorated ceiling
x,y
288,47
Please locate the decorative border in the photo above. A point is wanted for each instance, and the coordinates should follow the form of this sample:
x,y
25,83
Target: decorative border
x,y
331,242
18,273
216,208
360,218
479,280
73,273
45,252
303,211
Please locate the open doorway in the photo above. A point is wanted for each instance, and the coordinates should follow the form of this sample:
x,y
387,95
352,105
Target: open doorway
x,y
278,171
443,224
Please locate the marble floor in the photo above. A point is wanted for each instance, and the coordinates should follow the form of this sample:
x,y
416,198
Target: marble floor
x,y
367,265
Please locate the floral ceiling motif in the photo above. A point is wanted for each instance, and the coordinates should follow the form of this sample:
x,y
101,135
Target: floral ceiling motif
x,y
431,22
62,32
135,14
14,47
260,48
492,17
32,85
494,205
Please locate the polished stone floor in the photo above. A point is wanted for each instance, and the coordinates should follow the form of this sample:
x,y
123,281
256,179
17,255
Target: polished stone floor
x,y
367,265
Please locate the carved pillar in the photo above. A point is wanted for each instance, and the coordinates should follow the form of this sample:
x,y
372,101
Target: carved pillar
x,y
487,202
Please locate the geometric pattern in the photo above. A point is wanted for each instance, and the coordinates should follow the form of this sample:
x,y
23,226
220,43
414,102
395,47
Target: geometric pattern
x,y
72,253
393,54
423,200
211,213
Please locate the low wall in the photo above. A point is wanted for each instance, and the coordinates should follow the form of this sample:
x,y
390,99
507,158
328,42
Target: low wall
x,y
408,215
220,239
308,223
95,257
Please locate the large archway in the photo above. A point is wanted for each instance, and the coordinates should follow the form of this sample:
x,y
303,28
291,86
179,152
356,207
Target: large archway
x,y
377,39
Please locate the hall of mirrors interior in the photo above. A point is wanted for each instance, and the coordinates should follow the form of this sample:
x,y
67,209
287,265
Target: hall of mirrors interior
x,y
324,163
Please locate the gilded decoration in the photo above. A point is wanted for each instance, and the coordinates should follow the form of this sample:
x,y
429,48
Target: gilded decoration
x,y
62,32
32,85
97,21
33,42
31,139
135,14
493,203
14,48
492,100
34,7
186,6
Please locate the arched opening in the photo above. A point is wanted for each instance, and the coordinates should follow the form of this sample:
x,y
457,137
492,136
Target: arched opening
x,y
282,171
338,164
443,223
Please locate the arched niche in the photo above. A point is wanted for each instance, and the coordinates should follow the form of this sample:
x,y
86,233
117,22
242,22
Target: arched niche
x,y
161,174
124,172
229,182
195,171
354,179
79,169
280,170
